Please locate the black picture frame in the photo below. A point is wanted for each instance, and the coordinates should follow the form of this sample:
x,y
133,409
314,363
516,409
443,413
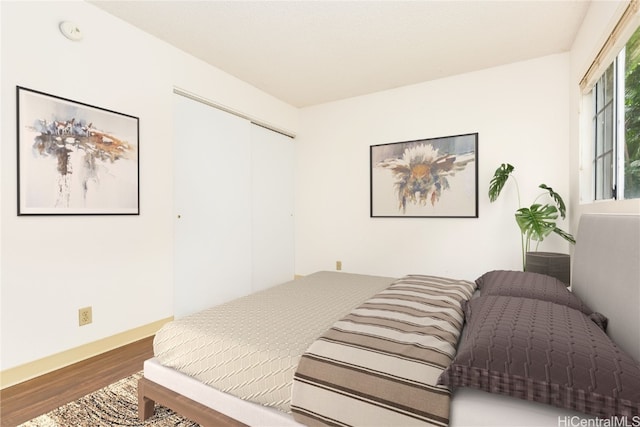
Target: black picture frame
x,y
425,178
75,158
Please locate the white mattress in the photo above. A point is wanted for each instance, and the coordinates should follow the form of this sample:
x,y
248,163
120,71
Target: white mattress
x,y
469,407
249,413
284,321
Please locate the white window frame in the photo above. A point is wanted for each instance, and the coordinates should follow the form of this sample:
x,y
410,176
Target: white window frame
x,y
616,174
620,132
611,51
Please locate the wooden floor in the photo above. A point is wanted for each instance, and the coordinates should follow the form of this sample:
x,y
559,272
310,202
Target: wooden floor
x,y
38,396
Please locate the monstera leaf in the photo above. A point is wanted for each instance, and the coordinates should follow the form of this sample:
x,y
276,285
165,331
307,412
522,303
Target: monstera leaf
x,y
498,181
556,198
537,221
566,236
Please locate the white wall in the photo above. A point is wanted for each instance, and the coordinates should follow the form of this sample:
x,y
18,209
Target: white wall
x,y
521,114
600,20
120,265
524,112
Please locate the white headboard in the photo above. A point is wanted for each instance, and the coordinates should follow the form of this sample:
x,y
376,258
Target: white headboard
x,y
606,273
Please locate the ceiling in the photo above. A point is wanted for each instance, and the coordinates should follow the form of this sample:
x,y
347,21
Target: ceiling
x,y
311,52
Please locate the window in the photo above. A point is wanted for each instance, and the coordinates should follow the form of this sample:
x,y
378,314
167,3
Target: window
x,y
616,126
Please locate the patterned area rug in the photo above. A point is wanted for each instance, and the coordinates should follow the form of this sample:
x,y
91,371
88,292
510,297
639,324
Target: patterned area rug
x,y
114,405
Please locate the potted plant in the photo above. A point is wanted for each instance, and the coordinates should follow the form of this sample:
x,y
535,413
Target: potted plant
x,y
537,221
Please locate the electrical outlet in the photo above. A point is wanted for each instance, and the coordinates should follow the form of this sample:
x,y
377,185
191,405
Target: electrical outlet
x,y
338,265
84,316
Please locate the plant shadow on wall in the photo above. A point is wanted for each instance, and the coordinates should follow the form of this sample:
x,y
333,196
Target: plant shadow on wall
x,y
537,221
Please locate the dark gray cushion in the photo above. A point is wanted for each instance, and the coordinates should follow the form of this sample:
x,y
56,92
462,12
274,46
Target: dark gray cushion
x,y
545,352
529,285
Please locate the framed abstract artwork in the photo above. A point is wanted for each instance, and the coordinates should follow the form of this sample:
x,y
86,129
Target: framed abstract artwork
x,y
75,158
435,177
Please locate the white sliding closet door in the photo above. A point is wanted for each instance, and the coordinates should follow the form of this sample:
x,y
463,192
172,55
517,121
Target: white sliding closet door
x,y
272,156
212,196
233,195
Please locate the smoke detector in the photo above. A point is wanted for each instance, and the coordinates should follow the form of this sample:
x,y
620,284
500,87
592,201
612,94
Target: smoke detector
x,y
71,31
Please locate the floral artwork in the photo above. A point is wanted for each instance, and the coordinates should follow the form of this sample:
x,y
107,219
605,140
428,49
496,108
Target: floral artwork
x,y
425,178
74,158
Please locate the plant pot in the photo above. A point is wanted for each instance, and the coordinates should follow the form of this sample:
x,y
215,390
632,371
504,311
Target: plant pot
x,y
550,263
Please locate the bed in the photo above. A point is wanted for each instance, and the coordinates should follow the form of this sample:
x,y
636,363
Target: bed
x,y
232,381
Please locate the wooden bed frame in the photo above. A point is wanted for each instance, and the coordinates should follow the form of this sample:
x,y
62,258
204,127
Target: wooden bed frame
x,y
150,393
605,242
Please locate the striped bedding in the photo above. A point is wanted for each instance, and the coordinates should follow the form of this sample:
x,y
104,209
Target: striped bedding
x,y
380,364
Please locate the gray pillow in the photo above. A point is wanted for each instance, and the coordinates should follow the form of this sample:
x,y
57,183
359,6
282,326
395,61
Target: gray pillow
x,y
529,285
545,352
